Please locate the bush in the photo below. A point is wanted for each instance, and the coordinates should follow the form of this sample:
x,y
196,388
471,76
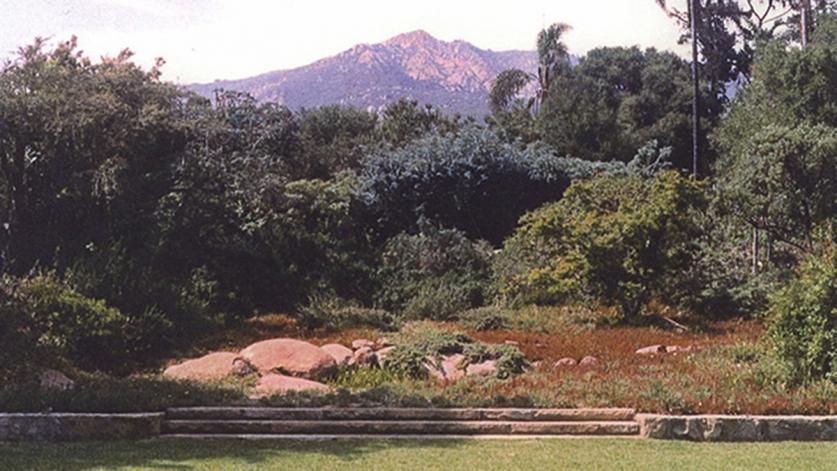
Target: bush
x,y
19,334
44,321
469,180
101,393
434,274
338,314
803,323
84,331
611,241
420,342
487,318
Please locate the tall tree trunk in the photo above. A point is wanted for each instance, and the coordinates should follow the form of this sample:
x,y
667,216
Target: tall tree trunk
x,y
694,17
755,250
804,22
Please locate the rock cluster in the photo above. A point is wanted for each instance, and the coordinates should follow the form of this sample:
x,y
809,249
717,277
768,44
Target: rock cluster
x,y
283,365
452,368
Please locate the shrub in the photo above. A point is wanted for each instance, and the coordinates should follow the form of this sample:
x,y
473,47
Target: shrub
x,y
433,274
101,393
338,314
803,322
421,342
487,318
470,180
612,241
85,331
19,334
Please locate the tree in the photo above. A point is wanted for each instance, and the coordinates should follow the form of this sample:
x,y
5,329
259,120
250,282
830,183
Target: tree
x,y
471,180
616,100
332,139
614,241
553,57
776,146
84,150
404,121
511,114
505,90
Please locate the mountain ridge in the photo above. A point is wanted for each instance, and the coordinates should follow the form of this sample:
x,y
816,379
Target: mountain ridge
x,y
452,75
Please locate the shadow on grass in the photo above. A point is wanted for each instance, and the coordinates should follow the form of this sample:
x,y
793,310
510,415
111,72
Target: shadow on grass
x,y
168,453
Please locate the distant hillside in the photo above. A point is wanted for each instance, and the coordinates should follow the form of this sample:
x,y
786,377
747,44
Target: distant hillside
x,y
454,76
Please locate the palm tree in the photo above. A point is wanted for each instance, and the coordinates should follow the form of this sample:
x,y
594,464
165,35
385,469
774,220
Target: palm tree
x,y
553,57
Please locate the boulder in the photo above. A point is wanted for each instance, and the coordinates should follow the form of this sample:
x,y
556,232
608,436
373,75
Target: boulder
x,y
565,362
487,368
55,380
361,343
291,357
434,370
341,354
213,367
589,361
364,356
275,384
451,367
513,343
651,350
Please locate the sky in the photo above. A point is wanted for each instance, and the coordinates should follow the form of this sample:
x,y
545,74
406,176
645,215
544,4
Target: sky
x,y
205,40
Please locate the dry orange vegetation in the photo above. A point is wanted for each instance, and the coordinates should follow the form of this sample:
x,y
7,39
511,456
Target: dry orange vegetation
x,y
720,374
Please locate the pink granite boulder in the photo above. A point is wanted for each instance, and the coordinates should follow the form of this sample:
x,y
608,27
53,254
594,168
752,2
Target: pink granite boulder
x,y
565,363
651,350
273,384
485,369
212,367
290,357
341,354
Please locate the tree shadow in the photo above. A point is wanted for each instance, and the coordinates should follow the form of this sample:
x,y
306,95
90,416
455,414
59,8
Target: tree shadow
x,y
177,454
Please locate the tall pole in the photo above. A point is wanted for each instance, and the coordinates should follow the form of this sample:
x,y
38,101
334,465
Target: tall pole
x,y
804,21
694,17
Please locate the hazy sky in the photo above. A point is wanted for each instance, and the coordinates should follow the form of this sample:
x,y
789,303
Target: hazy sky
x,y
204,40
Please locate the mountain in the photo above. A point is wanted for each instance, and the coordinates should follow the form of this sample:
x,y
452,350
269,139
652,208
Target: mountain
x,y
454,76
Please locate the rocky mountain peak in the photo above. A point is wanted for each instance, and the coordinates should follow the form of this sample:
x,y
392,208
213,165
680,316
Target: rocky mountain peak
x,y
454,76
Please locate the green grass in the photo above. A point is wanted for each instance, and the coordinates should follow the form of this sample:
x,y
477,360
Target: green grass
x,y
606,454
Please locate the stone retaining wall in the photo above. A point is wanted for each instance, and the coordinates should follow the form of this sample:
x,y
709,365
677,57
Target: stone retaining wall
x,y
54,427
68,426
738,428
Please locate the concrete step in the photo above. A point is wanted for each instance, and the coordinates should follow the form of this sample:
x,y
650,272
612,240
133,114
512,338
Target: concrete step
x,y
400,414
304,437
396,427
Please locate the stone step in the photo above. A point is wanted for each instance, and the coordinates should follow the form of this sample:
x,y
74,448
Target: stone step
x,y
395,427
305,437
400,414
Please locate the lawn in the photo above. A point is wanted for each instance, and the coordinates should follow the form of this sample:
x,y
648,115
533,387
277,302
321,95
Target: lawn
x,y
409,455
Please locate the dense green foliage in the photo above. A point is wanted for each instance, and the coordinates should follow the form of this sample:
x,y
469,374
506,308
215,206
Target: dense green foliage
x,y
783,182
616,100
46,319
433,274
803,321
614,241
470,180
420,343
